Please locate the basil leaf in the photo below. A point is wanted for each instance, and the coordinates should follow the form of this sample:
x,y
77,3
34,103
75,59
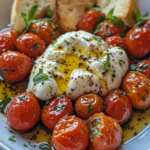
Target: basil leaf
x,y
4,102
40,77
110,14
32,13
54,75
89,108
5,71
11,138
45,146
95,8
50,12
97,38
24,16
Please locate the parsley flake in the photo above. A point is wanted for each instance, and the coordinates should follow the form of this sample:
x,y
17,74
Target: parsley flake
x,y
11,138
68,42
25,145
146,90
97,38
51,88
146,82
44,146
89,108
144,98
5,71
95,131
58,108
35,46
95,8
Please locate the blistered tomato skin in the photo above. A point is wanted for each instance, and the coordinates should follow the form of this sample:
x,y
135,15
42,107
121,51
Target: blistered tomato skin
x,y
116,41
46,30
138,41
108,29
14,66
8,40
88,105
55,110
31,45
23,112
137,86
89,20
105,132
70,133
118,106
145,66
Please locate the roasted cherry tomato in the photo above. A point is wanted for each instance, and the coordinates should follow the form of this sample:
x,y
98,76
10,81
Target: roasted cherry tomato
x,y
108,29
147,24
105,132
88,105
23,112
70,133
138,42
145,67
14,66
31,45
89,20
8,40
55,110
137,86
116,41
118,105
46,30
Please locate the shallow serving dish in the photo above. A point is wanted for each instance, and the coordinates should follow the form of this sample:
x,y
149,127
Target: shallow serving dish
x,y
140,142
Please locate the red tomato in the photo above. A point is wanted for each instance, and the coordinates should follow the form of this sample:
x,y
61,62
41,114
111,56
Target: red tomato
x,y
105,132
89,20
88,105
23,112
8,40
145,66
137,86
55,110
118,106
108,29
147,24
70,133
46,30
14,66
138,41
116,41
31,45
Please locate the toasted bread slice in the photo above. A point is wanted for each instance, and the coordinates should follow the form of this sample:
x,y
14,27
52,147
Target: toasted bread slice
x,y
23,6
67,13
122,9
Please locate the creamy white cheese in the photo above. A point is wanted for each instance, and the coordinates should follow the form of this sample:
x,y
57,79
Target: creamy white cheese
x,y
76,59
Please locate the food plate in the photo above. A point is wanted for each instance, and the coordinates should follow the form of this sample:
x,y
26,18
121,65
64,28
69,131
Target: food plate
x,y
140,142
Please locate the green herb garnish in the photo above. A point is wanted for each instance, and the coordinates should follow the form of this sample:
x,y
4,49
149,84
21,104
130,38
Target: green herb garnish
x,y
25,145
146,90
35,46
11,138
35,31
22,97
58,108
97,38
106,33
50,13
95,131
5,71
144,65
89,108
97,28
4,102
54,75
95,8
51,88
68,42
45,146
53,42
146,82
40,76
144,98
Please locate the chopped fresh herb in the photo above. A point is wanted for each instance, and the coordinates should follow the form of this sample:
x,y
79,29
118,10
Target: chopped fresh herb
x,y
51,88
58,108
35,31
121,94
83,129
97,38
35,46
105,65
5,71
144,65
41,24
40,76
89,108
146,90
138,18
100,19
44,146
97,28
50,13
146,82
4,102
22,97
133,67
95,8
11,131
144,98
11,138
98,120
54,30
53,42
68,42
121,48
95,131
106,33
25,145
110,14
54,75
139,70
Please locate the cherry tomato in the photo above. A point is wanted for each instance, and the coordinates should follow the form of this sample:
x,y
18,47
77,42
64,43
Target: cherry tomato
x,y
46,30
138,41
88,105
108,29
118,105
31,45
89,20
147,24
137,86
8,40
145,67
116,41
55,110
70,133
105,132
23,112
14,66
